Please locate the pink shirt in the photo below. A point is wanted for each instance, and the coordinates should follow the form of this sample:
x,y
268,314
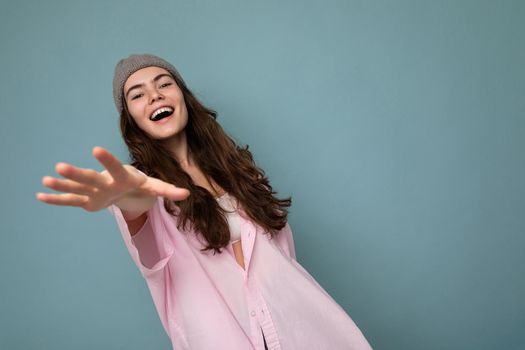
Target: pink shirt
x,y
208,301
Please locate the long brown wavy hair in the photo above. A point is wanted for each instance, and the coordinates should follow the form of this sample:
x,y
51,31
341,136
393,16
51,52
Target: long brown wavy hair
x,y
219,158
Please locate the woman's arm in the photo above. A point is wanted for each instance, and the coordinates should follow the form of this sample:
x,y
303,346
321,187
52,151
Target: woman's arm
x,y
134,205
134,210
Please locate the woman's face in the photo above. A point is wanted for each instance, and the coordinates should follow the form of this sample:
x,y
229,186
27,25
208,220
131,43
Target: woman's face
x,y
156,103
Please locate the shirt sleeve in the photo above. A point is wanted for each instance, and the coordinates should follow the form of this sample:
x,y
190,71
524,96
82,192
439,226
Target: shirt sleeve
x,y
285,240
151,247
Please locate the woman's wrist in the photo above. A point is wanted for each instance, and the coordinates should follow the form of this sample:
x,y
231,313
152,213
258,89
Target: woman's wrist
x,y
134,202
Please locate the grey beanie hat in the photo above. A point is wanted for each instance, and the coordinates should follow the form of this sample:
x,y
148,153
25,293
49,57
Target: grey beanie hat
x,y
127,66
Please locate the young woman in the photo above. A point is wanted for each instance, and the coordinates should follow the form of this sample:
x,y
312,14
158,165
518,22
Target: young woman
x,y
202,224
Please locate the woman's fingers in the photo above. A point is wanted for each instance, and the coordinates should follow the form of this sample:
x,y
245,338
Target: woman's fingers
x,y
88,177
67,186
111,163
160,188
62,199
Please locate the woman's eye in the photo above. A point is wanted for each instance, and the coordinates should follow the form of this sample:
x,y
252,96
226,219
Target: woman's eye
x,y
165,84
134,97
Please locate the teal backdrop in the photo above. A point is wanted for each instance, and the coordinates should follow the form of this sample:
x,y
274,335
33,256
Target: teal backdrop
x,y
398,128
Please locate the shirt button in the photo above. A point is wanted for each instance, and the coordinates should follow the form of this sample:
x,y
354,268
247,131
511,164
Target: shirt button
x,y
252,313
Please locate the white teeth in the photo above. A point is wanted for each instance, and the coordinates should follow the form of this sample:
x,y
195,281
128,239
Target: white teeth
x,y
160,110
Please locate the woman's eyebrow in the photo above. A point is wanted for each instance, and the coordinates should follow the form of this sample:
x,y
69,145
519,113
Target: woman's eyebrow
x,y
152,80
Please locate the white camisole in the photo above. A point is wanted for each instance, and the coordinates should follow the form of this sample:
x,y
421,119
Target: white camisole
x,y
229,203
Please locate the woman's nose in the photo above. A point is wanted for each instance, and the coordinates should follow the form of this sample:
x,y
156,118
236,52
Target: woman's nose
x,y
155,95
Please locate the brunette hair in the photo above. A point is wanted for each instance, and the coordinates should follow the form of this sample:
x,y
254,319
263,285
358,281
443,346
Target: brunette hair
x,y
221,159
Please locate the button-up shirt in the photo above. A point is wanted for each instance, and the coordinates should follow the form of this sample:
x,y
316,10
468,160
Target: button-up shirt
x,y
208,301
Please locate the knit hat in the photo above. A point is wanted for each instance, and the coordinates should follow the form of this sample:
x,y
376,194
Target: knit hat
x,y
127,66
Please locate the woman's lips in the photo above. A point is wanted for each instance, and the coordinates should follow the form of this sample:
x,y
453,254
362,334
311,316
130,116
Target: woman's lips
x,y
164,120
161,112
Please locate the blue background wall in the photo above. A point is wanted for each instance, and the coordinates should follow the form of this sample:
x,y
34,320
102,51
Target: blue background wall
x,y
398,127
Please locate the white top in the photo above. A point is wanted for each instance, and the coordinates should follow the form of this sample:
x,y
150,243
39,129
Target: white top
x,y
229,203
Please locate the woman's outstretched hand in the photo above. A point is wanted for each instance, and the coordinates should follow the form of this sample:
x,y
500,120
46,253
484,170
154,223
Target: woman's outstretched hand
x,y
94,191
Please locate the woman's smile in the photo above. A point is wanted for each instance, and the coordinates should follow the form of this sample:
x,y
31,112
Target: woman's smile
x,y
161,113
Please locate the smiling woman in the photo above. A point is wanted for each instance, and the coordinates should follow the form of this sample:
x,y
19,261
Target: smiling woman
x,y
191,192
